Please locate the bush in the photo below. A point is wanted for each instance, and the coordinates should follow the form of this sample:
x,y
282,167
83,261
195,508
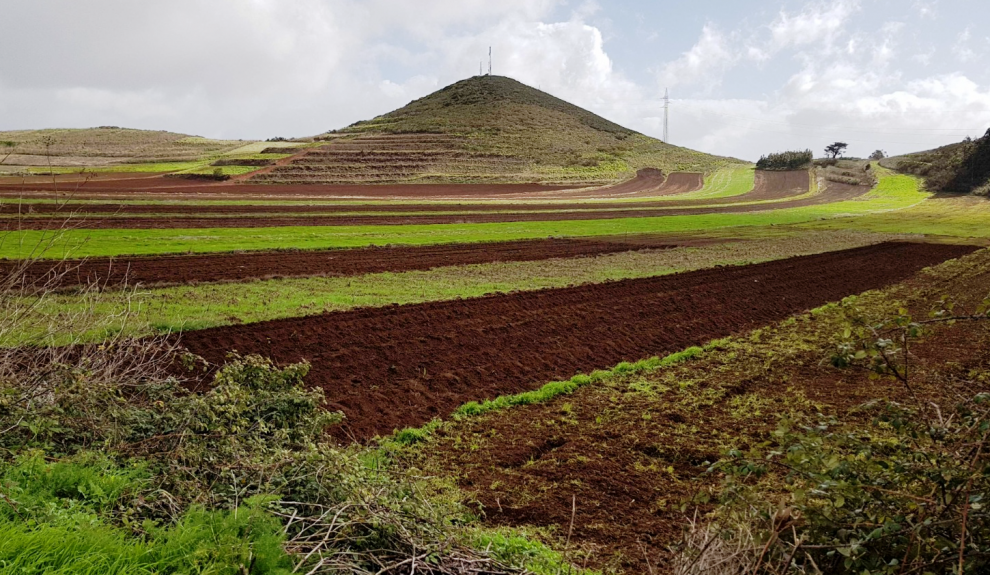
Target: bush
x,y
907,494
909,490
785,161
956,168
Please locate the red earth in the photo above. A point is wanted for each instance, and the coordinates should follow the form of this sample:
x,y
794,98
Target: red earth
x,y
778,185
392,367
189,269
774,184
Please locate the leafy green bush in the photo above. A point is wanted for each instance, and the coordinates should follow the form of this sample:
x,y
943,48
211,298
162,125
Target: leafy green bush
x,y
908,495
956,168
56,517
209,482
785,160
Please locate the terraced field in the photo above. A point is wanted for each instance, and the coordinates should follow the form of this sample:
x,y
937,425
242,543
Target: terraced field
x,y
561,319
395,367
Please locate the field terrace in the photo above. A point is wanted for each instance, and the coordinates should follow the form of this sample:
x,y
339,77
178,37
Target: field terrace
x,y
419,305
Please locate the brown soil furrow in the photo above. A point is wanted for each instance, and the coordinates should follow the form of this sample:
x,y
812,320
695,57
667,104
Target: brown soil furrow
x,y
647,180
398,366
834,193
769,186
186,269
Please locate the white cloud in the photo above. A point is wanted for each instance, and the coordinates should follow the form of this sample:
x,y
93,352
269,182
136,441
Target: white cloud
x,y
961,49
817,23
703,64
264,68
927,9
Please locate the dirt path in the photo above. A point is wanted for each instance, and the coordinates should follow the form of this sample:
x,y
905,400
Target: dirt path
x,y
398,366
187,269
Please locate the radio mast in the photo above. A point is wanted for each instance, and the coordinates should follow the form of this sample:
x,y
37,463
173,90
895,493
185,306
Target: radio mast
x,y
489,60
666,116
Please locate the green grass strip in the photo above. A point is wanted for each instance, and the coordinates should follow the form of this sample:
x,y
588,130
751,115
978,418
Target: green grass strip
x,y
547,392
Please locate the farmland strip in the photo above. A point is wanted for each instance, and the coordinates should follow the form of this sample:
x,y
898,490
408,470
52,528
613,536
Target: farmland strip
x,y
398,366
836,193
185,269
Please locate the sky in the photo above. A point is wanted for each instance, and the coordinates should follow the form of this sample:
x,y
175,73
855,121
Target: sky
x,y
746,77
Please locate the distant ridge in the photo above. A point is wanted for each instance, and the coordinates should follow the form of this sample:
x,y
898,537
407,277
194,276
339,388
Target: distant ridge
x,y
961,168
488,129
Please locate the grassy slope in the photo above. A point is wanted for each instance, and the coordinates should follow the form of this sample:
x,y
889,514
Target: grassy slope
x,y
559,140
962,168
123,150
116,145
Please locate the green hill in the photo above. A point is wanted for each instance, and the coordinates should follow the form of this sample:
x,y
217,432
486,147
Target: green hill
x,y
962,168
488,129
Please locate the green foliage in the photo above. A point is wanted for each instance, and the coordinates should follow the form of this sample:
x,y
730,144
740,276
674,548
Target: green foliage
x,y
906,495
514,549
957,168
836,149
785,161
61,517
896,499
71,491
545,393
247,540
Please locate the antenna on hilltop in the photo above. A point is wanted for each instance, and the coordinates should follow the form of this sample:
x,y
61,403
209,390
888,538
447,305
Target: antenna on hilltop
x,y
666,116
489,60
480,73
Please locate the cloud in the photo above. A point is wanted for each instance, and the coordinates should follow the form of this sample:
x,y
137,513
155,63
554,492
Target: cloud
x,y
703,64
928,10
817,23
961,49
262,68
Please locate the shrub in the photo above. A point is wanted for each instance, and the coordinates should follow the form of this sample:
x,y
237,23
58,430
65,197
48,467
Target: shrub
x,y
909,490
956,168
785,160
907,494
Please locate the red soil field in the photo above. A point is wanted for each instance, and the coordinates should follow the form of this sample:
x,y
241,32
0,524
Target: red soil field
x,y
189,269
774,184
398,366
647,181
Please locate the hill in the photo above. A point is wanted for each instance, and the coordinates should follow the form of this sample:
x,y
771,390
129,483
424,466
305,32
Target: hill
x,y
490,129
106,146
962,168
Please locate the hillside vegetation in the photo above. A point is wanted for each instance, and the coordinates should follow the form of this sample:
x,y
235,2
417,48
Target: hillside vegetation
x,y
490,129
962,168
108,145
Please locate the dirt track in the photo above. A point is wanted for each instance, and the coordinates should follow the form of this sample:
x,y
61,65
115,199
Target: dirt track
x,y
187,269
387,368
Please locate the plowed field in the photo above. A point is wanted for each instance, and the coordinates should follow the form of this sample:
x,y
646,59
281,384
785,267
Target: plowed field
x,y
768,186
184,269
398,366
773,184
